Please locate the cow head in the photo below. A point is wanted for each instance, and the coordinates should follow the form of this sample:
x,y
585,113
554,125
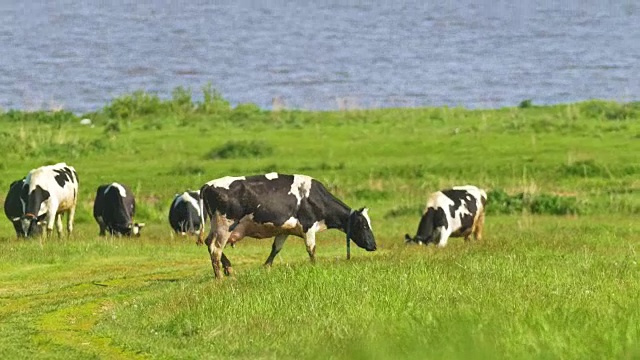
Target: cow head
x,y
30,224
428,229
420,240
360,229
136,227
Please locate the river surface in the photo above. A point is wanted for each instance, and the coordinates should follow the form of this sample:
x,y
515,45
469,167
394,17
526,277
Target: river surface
x,y
79,55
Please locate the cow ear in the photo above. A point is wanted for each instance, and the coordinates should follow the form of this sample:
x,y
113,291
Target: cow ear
x,y
141,225
361,210
407,238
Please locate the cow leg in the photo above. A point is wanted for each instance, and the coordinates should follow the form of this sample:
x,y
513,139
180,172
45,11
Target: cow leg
x,y
215,251
216,242
477,231
50,220
59,225
310,241
70,218
226,265
275,248
444,237
102,225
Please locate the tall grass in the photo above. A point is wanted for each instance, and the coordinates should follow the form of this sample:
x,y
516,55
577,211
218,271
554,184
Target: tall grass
x,y
556,275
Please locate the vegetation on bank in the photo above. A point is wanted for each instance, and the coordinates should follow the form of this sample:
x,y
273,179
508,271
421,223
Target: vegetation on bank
x,y
556,276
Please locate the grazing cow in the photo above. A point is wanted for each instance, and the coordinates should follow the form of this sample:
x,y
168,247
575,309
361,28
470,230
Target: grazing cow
x,y
455,212
52,190
184,213
279,205
14,207
114,209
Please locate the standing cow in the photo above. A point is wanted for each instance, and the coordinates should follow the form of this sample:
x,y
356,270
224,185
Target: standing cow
x,y
184,213
455,212
114,209
279,205
52,190
15,205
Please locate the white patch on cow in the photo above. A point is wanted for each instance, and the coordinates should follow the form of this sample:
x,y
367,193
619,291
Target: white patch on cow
x,y
186,197
225,182
318,226
365,213
301,187
290,223
120,188
271,175
24,204
177,199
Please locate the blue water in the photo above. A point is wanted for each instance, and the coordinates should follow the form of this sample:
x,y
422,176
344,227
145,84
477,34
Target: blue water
x,y
79,55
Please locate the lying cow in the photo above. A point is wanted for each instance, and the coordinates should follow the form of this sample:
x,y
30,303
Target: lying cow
x,y
15,205
114,209
279,205
52,190
456,212
184,213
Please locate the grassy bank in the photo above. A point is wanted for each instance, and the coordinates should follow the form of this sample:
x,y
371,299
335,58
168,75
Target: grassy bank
x,y
556,276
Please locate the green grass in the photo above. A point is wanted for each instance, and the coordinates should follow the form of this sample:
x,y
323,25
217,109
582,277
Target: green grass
x,y
540,285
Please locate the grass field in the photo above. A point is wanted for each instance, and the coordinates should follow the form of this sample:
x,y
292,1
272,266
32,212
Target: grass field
x,y
556,276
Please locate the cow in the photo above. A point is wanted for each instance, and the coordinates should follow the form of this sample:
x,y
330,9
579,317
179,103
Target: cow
x,y
14,208
114,210
52,190
455,212
184,213
279,205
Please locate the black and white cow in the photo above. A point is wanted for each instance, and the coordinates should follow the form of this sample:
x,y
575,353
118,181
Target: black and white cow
x,y
184,213
455,212
114,210
279,205
52,190
15,205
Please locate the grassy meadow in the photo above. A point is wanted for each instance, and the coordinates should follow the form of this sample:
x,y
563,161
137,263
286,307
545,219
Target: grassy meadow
x,y
556,275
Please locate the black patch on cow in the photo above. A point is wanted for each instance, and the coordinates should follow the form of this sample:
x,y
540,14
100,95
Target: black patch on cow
x,y
36,197
64,175
15,205
462,199
113,212
12,205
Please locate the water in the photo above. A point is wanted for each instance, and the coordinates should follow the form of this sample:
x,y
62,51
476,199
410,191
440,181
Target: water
x,y
478,54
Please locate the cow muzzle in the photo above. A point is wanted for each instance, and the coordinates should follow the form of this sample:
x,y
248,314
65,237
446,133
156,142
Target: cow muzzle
x,y
26,222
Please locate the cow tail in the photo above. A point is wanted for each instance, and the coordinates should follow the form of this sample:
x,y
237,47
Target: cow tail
x,y
202,216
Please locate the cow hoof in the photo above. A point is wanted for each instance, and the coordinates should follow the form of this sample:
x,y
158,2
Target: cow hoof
x,y
228,271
